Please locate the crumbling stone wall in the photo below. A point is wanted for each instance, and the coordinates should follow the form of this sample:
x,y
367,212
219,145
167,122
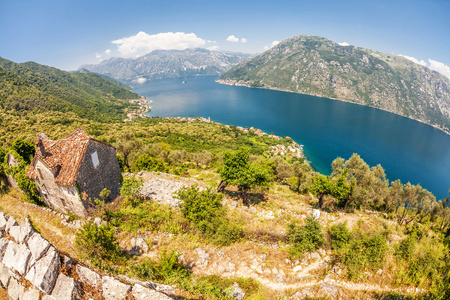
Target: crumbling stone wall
x,y
32,269
63,199
93,179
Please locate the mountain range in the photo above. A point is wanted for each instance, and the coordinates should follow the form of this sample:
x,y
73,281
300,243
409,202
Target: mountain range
x,y
160,64
318,66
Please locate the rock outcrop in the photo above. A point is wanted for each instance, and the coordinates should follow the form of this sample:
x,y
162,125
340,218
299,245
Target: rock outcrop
x,y
32,269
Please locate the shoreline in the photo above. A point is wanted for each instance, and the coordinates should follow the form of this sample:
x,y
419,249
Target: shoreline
x,y
293,150
236,83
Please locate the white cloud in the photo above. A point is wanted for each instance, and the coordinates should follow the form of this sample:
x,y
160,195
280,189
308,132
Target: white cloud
x,y
97,56
232,39
274,43
421,62
432,64
108,51
243,40
141,80
143,43
213,48
344,44
439,67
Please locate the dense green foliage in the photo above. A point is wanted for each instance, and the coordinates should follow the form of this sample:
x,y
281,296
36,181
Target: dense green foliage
x,y
33,87
238,171
204,210
304,238
98,244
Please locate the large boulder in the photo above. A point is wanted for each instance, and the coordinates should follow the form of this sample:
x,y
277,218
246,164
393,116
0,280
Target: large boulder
x,y
66,288
113,289
16,257
140,292
89,277
38,247
45,271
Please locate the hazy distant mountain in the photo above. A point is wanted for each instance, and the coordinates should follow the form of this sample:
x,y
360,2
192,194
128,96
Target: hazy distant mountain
x,y
168,63
317,66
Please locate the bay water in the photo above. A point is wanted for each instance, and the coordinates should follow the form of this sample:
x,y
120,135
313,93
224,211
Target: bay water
x,y
408,150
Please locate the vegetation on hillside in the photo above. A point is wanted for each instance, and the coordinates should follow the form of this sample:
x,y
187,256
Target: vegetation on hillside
x,y
317,66
38,88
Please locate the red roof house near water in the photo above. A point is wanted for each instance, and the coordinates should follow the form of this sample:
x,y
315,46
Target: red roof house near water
x,y
71,170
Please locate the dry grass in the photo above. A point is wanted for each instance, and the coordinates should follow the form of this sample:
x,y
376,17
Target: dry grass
x,y
46,223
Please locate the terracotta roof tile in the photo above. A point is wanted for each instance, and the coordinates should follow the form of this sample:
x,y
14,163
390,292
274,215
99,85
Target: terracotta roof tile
x,y
62,156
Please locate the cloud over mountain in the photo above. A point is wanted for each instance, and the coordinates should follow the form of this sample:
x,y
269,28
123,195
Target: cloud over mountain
x,y
143,43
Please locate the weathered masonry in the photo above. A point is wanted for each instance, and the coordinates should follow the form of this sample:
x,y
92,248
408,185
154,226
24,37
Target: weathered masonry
x,y
70,171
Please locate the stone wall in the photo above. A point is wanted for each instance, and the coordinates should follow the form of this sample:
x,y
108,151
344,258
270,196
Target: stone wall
x,y
106,174
32,269
63,199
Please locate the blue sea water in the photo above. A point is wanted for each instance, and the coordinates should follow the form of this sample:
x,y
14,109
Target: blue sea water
x,y
408,150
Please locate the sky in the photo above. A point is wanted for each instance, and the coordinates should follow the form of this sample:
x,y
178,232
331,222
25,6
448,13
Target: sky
x,y
69,33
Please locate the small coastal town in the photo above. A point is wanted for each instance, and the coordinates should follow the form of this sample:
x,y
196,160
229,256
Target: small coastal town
x,y
144,107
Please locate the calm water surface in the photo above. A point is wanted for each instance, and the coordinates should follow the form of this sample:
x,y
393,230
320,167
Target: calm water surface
x,y
406,149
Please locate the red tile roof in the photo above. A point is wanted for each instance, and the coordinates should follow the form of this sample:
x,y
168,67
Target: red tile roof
x,y
62,156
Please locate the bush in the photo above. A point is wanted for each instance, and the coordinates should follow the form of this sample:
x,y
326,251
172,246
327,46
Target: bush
x,y
305,238
340,236
166,269
365,253
204,210
98,244
147,162
130,190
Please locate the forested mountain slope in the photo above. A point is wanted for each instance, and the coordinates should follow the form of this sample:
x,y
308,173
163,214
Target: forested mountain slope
x,y
34,87
317,66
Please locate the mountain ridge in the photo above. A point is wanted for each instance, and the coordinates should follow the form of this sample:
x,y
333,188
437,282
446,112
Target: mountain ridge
x,y
320,67
160,64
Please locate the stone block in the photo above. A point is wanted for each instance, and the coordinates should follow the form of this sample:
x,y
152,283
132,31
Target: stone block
x,y
16,257
38,247
15,289
5,275
66,288
45,271
3,245
113,289
140,292
3,221
31,294
89,277
21,233
11,222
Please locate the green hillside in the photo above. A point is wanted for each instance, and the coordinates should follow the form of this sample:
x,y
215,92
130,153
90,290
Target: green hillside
x,y
317,66
33,87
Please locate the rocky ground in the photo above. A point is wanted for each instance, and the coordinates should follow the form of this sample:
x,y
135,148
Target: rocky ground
x,y
263,256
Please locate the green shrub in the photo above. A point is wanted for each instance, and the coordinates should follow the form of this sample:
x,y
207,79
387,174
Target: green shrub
x,y
204,210
148,162
130,190
365,253
98,244
166,269
405,249
305,238
340,236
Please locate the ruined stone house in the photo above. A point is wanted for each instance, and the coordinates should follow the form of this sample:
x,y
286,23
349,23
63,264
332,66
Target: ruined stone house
x,y
73,170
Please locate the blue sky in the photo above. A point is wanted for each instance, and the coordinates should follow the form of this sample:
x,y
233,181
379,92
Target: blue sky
x,y
66,34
